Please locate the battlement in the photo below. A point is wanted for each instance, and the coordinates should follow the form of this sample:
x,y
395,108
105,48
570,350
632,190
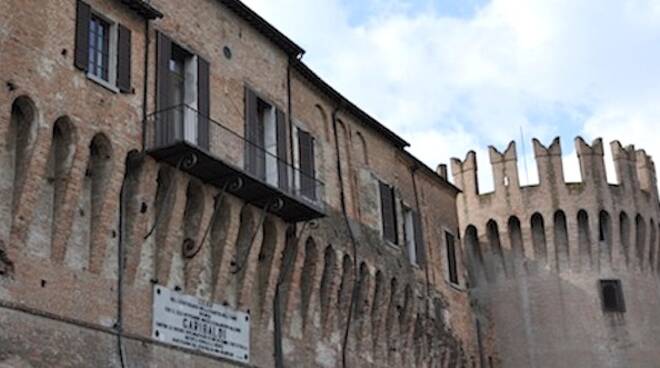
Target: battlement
x,y
634,169
590,225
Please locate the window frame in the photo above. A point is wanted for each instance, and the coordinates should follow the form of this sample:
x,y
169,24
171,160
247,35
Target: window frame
x,y
113,44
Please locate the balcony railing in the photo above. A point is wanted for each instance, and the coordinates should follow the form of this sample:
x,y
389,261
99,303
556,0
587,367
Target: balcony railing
x,y
217,155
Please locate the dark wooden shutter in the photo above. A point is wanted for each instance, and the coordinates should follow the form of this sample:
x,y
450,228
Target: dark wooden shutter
x,y
165,128
388,210
420,248
282,149
451,258
307,164
203,102
123,59
254,137
83,17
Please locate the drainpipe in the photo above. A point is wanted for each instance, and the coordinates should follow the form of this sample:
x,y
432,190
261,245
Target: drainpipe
x,y
147,42
351,235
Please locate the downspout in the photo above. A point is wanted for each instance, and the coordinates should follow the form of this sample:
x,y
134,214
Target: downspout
x,y
351,235
147,43
120,271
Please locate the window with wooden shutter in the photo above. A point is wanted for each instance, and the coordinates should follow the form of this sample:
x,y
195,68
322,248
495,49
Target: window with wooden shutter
x,y
282,133
451,258
420,247
255,159
83,18
388,213
203,102
102,49
124,59
307,164
165,125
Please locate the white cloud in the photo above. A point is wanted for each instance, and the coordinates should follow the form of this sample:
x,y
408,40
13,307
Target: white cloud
x,y
448,85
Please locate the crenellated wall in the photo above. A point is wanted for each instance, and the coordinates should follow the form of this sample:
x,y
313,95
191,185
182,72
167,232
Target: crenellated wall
x,y
536,254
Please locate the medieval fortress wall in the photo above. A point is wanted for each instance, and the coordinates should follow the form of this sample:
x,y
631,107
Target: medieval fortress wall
x,y
536,255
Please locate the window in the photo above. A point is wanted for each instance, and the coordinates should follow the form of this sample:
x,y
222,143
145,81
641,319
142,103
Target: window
x,y
99,48
182,95
611,294
103,49
306,177
451,258
413,236
266,145
388,213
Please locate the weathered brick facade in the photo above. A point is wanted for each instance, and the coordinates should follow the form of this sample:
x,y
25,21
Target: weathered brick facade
x,y
538,254
79,186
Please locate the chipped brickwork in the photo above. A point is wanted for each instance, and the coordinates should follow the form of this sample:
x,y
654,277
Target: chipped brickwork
x,y
69,145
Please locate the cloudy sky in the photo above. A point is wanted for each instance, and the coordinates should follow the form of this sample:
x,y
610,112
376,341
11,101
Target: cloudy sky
x,y
454,75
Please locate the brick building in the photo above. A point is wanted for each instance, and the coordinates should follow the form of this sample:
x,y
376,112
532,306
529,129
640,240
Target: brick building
x,y
183,149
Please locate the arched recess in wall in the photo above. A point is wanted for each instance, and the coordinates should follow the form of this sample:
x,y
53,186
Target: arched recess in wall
x,y
538,239
475,255
657,250
89,222
406,310
133,212
392,307
624,229
640,239
240,262
322,117
51,198
192,218
652,244
605,236
584,240
361,149
517,247
327,281
163,205
562,254
495,244
19,143
217,242
345,288
308,276
265,262
289,261
362,303
377,306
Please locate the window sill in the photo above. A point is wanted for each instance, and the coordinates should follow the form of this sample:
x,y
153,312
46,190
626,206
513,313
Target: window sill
x,y
456,287
102,83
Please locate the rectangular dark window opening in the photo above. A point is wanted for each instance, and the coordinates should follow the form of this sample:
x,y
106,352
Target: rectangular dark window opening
x,y
611,294
99,48
388,213
451,258
307,164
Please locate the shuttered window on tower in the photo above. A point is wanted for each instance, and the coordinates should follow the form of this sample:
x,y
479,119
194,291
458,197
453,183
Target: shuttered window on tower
x,y
388,213
103,49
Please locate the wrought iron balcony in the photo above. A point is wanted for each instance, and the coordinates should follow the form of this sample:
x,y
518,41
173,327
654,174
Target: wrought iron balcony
x,y
219,156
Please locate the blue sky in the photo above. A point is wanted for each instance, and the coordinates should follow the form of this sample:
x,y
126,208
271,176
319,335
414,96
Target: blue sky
x,y
458,75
